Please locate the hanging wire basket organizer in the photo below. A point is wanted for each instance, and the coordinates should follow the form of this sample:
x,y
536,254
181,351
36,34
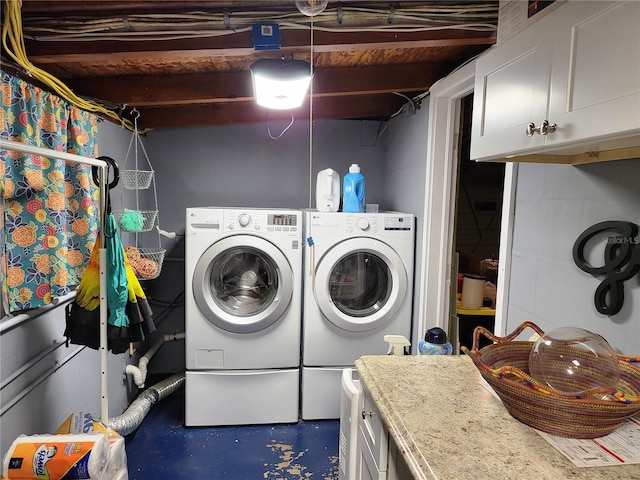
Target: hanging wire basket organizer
x,y
137,179
146,261
136,220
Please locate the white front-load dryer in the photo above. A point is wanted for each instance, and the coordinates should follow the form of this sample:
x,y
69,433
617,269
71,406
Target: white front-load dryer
x,y
358,287
243,315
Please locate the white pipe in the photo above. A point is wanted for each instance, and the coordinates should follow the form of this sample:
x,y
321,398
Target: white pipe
x,y
139,373
102,165
47,152
136,374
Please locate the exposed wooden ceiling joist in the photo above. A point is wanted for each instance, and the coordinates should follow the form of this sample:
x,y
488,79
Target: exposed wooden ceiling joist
x,y
195,81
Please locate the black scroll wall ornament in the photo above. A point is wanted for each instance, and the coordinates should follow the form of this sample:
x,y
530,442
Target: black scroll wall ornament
x,y
621,261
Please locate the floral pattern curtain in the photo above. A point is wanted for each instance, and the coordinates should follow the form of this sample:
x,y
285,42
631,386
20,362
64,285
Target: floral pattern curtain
x,y
49,208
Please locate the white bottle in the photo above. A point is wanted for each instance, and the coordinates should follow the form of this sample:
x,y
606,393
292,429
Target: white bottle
x,y
327,190
396,344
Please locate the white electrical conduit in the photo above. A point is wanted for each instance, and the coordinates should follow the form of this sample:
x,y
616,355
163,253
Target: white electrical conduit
x,y
204,24
102,167
43,354
139,373
32,386
135,21
10,322
177,35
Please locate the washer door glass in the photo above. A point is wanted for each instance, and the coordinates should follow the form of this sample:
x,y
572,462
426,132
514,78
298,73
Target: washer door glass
x,y
361,284
243,284
244,281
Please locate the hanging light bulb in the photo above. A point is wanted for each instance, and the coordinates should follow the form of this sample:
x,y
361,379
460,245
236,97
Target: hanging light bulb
x,y
311,7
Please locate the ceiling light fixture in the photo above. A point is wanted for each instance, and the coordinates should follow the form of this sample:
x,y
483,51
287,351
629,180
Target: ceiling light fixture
x,y
311,7
280,84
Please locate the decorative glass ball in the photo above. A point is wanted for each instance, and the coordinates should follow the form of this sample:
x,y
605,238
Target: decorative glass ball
x,y
574,361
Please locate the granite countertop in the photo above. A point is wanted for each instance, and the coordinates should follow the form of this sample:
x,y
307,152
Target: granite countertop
x,y
449,427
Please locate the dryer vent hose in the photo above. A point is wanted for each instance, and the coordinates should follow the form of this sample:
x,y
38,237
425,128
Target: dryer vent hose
x,y
134,415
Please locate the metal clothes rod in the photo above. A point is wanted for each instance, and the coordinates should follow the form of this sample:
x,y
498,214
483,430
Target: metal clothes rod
x,y
102,166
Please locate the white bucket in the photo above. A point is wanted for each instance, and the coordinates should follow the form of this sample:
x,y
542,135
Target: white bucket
x,y
327,190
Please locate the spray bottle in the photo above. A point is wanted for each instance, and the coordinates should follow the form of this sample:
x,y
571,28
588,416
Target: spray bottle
x,y
396,344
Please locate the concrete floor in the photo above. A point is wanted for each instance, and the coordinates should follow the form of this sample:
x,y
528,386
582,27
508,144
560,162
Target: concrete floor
x,y
163,448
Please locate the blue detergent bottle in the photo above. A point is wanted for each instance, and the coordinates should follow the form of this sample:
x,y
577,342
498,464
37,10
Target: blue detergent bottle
x,y
353,190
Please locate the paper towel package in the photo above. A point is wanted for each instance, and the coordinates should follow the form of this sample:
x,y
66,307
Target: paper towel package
x,y
83,422
72,456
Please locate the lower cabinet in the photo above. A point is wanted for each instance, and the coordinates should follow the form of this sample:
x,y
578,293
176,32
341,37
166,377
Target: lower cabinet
x,y
398,468
378,458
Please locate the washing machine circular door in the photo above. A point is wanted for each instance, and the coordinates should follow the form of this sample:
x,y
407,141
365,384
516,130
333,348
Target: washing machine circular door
x,y
243,284
360,284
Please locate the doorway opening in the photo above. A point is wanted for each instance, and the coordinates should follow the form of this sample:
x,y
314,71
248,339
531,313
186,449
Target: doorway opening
x,y
476,232
436,305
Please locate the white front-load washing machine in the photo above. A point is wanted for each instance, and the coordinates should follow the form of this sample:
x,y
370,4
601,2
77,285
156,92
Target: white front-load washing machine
x,y
358,287
243,311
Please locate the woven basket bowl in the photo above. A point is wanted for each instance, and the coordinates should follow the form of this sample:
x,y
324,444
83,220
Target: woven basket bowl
x,y
505,366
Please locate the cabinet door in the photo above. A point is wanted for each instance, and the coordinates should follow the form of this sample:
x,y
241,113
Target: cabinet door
x,y
374,433
595,72
511,90
367,468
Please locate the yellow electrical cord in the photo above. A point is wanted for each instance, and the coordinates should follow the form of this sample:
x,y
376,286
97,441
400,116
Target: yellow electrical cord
x,y
12,31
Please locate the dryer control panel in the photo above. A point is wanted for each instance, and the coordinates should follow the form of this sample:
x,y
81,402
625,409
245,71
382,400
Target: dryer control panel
x,y
398,223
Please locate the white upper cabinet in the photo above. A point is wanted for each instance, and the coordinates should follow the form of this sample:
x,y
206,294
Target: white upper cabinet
x,y
511,91
595,74
568,84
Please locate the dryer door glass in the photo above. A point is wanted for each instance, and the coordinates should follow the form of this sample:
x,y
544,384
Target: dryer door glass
x,y
244,281
360,284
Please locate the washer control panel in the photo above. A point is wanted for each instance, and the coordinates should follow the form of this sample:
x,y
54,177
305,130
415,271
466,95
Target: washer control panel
x,y
263,221
208,220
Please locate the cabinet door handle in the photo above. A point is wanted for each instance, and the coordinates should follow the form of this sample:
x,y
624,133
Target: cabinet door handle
x,y
366,414
544,128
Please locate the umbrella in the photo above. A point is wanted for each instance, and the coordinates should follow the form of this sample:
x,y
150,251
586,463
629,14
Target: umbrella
x,y
130,317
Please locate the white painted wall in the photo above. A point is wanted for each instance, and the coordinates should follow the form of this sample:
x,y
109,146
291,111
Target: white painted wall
x,y
225,166
405,140
241,166
61,379
554,205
